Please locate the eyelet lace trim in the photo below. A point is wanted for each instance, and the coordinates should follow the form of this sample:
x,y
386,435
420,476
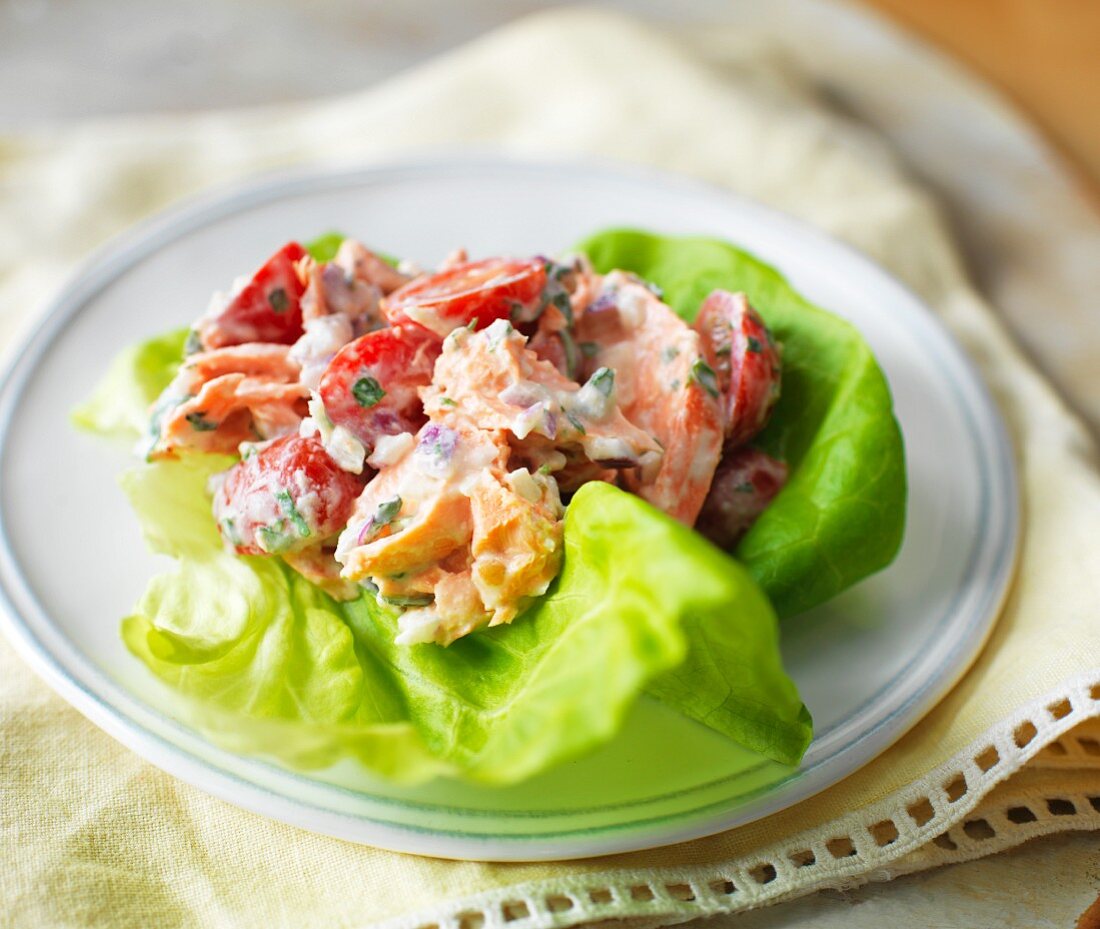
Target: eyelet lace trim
x,y
963,809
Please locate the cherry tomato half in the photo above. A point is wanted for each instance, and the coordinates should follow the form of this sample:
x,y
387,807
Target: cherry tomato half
x,y
475,291
740,348
745,482
370,386
267,309
288,496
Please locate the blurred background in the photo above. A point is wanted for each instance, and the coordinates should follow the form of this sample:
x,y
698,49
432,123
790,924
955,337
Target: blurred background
x,y
72,58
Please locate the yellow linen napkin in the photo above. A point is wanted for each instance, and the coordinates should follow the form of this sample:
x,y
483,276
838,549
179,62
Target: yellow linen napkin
x,y
95,836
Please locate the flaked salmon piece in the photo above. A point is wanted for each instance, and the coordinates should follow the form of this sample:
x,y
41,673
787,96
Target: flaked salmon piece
x,y
256,359
665,387
227,411
494,379
221,398
514,554
331,289
361,263
351,284
414,512
447,533
517,540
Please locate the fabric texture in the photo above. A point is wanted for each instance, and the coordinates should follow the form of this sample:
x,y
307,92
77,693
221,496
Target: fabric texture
x,y
94,836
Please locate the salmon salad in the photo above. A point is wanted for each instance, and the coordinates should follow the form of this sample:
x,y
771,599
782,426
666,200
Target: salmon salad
x,y
416,434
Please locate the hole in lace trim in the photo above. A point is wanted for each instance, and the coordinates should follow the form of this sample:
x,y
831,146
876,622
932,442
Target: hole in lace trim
x,y
979,829
1024,733
884,833
1095,803
1060,710
643,893
1060,807
1094,691
955,788
516,909
471,920
600,895
921,811
559,904
1089,746
803,858
681,892
944,840
841,848
1056,748
1020,815
988,759
763,873
723,887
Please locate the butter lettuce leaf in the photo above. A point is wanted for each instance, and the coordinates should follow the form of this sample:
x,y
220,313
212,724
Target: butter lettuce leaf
x,y
841,515
119,404
268,663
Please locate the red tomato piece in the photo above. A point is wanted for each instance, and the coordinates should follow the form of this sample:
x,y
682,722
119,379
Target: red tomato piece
x,y
474,291
371,387
287,497
267,309
745,482
740,348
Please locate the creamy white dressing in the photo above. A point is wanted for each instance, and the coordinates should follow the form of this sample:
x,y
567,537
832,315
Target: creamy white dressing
x,y
323,337
390,449
342,445
418,626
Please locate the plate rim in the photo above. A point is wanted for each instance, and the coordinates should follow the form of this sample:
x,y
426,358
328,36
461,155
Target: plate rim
x,y
126,249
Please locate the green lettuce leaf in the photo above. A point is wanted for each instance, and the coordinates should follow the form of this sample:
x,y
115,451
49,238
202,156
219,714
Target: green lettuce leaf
x,y
272,664
119,404
325,247
841,516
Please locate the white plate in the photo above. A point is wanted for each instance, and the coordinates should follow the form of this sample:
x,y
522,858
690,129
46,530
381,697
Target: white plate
x,y
869,664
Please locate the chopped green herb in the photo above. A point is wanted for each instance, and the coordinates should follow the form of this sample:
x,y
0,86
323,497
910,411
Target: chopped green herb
x,y
544,469
724,350
603,380
193,343
675,384
279,300
447,401
387,511
286,504
575,422
589,349
745,487
572,357
367,392
229,530
754,345
407,600
669,353
273,539
703,375
562,302
200,423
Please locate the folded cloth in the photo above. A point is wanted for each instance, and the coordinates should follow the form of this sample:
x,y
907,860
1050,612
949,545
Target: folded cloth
x,y
95,836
